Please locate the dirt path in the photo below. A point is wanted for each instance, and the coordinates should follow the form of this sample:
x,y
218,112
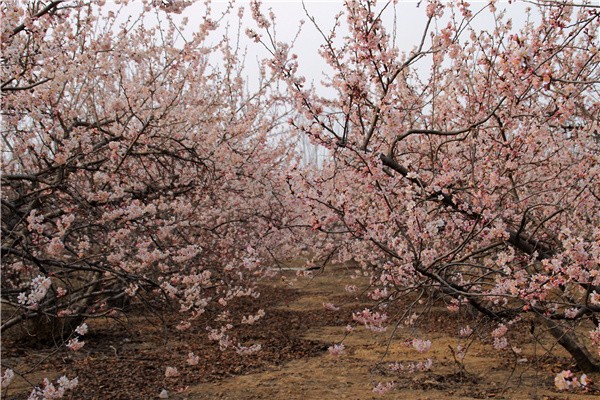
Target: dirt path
x,y
127,360
354,374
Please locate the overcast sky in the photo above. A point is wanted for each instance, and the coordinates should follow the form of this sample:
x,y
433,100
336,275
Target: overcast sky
x,y
289,13
408,18
410,22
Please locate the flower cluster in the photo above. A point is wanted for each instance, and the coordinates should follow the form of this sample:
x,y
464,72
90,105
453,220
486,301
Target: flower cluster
x,y
49,391
82,329
251,319
500,341
171,372
192,359
419,366
337,349
371,320
465,331
7,378
75,344
383,388
422,346
39,287
566,380
220,336
247,350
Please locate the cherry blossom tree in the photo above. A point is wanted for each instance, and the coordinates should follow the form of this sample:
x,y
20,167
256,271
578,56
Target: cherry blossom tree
x,y
466,169
136,165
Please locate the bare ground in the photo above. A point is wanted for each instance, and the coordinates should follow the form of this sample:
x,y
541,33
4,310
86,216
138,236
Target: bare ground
x,y
126,359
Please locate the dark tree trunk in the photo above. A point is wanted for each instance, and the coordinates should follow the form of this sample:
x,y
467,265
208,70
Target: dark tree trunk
x,y
584,359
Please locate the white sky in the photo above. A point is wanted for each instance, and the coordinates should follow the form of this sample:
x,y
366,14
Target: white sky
x,y
410,19
410,22
289,13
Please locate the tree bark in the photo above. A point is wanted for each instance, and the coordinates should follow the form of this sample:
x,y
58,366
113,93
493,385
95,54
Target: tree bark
x,y
584,359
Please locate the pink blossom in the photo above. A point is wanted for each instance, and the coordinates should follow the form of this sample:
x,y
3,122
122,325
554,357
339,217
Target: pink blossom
x,y
183,325
571,312
251,319
422,346
351,288
372,320
131,290
55,247
39,287
420,366
499,331
171,372
192,359
454,306
337,349
7,378
461,352
49,391
379,294
65,312
247,350
465,331
566,380
383,388
75,344
500,343
330,307
82,329
35,221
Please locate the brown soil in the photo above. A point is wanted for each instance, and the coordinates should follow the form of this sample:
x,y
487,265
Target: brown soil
x,y
127,359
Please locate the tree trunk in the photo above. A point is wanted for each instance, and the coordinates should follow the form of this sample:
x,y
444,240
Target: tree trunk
x,y
584,359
